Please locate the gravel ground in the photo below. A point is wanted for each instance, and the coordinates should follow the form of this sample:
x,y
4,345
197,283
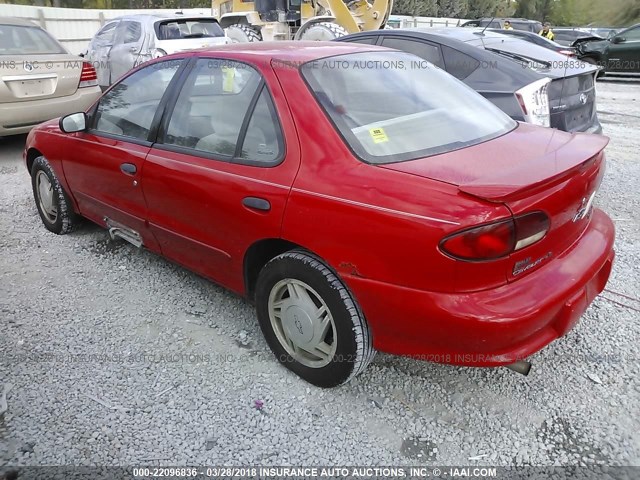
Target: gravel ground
x,y
118,357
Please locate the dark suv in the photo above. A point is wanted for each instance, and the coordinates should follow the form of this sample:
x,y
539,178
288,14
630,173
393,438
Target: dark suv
x,y
516,23
620,53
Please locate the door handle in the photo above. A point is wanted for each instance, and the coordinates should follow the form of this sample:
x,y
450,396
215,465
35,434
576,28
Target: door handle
x,y
255,203
128,168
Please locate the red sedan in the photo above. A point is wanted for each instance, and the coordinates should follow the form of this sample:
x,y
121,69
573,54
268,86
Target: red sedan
x,y
362,199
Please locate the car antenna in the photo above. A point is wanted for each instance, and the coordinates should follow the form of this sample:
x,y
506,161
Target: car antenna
x,y
487,26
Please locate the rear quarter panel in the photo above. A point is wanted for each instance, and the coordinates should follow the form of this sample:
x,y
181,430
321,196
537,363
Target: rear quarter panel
x,y
369,222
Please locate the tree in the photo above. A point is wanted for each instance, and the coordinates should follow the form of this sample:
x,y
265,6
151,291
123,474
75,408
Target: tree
x,y
486,8
453,8
417,8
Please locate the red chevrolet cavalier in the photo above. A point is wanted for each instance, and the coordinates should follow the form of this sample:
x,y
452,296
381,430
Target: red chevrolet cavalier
x,y
362,200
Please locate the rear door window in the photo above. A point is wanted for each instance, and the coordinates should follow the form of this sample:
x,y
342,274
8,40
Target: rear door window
x,y
225,111
426,50
105,36
459,64
365,40
128,32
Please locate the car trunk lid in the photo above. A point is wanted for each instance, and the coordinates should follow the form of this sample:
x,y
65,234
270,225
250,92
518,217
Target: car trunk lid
x,y
35,77
185,44
572,101
530,169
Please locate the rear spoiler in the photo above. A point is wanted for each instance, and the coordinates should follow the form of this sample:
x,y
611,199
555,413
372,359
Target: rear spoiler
x,y
550,169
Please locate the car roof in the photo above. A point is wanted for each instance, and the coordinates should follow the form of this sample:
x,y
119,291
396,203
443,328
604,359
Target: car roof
x,y
451,36
17,21
467,40
539,39
153,17
468,35
301,51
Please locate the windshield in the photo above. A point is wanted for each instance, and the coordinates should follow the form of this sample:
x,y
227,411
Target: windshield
x,y
21,40
188,28
393,106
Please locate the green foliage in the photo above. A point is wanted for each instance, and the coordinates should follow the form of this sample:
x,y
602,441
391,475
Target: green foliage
x,y
418,8
453,8
581,12
487,8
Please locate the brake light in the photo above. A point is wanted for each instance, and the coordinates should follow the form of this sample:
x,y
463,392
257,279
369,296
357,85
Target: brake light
x,y
88,76
534,101
496,240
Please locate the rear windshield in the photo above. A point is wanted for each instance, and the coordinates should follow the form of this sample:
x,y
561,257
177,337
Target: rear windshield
x,y
21,40
393,106
188,28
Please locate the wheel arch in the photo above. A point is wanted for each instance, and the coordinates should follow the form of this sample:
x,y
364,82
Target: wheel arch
x,y
32,154
258,255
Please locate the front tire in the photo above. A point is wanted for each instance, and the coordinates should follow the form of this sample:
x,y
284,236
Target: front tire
x,y
53,204
323,32
310,320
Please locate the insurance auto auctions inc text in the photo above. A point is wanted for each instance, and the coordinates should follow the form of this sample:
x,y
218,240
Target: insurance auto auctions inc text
x,y
367,472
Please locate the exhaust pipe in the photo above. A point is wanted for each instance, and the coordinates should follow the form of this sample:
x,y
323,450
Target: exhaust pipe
x,y
523,367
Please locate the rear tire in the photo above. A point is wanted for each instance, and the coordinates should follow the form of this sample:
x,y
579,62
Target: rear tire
x,y
54,206
323,31
241,33
311,321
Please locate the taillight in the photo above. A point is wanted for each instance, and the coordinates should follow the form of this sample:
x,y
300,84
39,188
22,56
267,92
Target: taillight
x,y
568,53
496,240
534,101
88,76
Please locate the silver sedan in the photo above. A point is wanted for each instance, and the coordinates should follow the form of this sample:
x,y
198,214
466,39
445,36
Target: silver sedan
x,y
125,42
39,79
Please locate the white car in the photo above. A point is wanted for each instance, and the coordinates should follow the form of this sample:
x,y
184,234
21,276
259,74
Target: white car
x,y
125,42
39,79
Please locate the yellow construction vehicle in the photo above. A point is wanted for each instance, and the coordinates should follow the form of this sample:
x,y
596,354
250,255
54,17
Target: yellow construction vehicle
x,y
253,21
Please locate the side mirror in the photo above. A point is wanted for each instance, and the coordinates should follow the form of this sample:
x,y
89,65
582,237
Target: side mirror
x,y
618,40
76,122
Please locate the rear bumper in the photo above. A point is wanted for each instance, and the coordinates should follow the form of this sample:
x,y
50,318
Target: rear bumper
x,y
559,121
20,117
492,327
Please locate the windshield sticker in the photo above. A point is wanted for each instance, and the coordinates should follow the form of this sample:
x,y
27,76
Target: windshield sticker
x,y
378,135
228,79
